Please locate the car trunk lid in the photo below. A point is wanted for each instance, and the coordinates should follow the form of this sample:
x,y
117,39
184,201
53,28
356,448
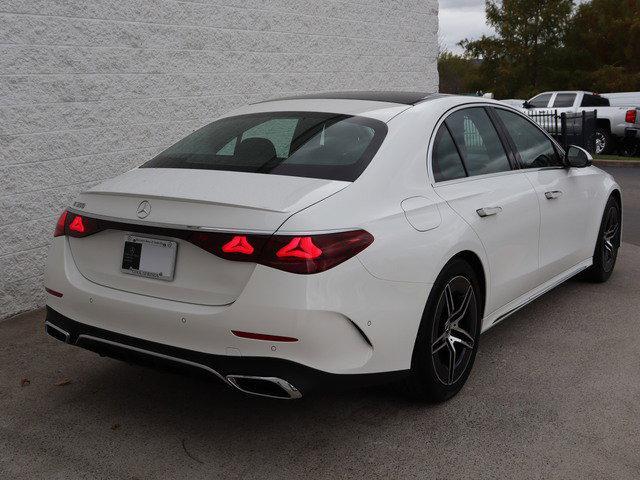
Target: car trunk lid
x,y
172,202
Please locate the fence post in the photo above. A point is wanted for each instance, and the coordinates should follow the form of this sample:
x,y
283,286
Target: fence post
x,y
584,130
563,126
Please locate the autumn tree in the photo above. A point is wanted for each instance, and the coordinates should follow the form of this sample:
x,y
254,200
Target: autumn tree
x,y
458,74
602,46
522,57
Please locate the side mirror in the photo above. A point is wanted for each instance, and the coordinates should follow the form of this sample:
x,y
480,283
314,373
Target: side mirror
x,y
578,157
526,104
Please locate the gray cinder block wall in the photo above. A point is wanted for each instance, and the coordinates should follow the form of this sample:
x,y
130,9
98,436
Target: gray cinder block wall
x,y
92,88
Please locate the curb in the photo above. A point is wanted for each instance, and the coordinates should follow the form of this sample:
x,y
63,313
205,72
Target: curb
x,y
616,163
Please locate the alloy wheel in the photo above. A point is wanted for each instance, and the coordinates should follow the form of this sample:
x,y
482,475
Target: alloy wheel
x,y
454,330
609,237
601,143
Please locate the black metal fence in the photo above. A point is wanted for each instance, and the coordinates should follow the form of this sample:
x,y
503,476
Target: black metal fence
x,y
569,128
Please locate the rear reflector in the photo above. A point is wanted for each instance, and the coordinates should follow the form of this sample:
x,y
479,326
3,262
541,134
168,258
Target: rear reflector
x,y
53,292
262,336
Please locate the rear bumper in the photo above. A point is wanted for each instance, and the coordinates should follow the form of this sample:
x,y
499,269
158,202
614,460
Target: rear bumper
x,y
288,379
346,320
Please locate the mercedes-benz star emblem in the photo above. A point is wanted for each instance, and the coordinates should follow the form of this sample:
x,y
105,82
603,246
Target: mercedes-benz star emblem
x,y
144,209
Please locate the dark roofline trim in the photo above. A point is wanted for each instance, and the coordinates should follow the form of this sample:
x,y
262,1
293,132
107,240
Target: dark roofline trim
x,y
400,97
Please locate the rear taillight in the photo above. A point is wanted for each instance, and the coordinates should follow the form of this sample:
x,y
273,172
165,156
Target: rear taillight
x,y
631,116
59,231
74,225
302,254
314,253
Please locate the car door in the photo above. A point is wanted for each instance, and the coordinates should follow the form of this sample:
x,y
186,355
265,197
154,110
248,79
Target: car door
x,y
566,196
473,173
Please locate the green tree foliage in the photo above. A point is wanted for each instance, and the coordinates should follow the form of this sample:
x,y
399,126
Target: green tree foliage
x,y
458,74
550,45
602,47
522,57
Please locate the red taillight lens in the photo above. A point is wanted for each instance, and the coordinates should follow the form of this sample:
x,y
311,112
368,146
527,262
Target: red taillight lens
x,y
59,231
631,116
300,247
240,248
313,254
77,225
291,253
238,244
74,225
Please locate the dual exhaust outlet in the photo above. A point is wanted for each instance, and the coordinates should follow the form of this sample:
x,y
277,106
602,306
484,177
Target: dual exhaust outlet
x,y
271,387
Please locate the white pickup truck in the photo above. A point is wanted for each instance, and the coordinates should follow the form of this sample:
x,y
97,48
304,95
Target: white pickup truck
x,y
615,125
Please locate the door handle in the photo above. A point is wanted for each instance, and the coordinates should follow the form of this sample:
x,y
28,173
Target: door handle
x,y
488,211
553,194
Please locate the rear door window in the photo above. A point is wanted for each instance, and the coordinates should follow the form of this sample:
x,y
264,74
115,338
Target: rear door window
x,y
447,164
534,147
564,100
478,141
306,144
594,101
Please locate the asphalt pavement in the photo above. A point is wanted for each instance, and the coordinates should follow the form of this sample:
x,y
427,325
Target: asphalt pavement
x,y
629,179
554,394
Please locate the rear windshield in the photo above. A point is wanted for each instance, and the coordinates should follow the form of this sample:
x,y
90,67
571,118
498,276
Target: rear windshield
x,y
303,144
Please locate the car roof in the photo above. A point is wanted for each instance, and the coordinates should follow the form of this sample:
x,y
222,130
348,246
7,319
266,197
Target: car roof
x,y
400,97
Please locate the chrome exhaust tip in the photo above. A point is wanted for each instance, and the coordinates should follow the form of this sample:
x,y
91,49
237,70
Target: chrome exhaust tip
x,y
271,387
56,332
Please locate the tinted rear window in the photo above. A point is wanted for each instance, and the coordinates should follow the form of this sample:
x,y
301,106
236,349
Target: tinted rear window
x,y
594,101
303,144
564,100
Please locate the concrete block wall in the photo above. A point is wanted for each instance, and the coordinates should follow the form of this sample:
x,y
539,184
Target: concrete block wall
x,y
92,88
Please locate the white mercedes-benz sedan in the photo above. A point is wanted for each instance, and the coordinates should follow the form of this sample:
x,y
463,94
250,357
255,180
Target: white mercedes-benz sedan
x,y
339,238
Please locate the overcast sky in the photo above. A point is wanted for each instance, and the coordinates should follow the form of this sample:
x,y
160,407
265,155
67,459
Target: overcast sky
x,y
460,19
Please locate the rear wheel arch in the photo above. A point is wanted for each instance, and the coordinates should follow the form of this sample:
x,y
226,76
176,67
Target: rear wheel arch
x,y
618,197
421,383
476,264
603,123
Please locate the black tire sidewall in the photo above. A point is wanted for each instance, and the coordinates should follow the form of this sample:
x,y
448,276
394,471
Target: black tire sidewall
x,y
422,370
597,271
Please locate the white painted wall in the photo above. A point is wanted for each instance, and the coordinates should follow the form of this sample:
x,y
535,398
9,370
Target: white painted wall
x,y
89,89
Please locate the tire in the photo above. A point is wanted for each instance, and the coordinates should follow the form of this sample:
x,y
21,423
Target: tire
x,y
448,331
629,147
603,141
606,251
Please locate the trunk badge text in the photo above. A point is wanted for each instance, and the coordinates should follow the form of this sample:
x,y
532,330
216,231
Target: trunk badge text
x,y
144,209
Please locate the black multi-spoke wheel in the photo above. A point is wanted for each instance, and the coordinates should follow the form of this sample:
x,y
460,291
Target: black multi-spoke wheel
x,y
606,252
454,330
447,340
